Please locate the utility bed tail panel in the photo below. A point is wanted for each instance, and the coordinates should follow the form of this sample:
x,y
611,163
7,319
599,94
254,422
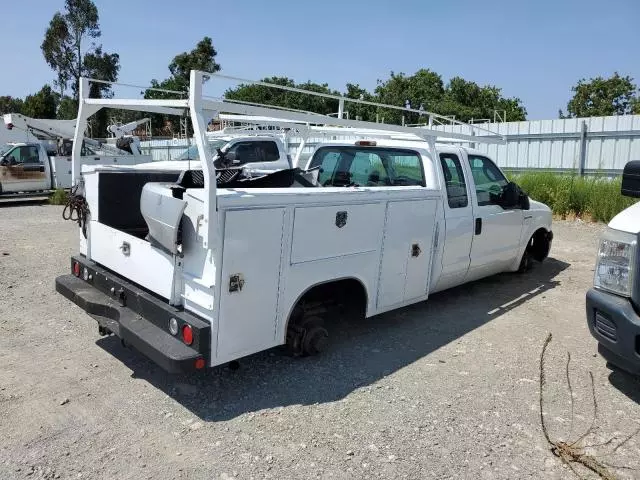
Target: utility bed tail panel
x,y
133,258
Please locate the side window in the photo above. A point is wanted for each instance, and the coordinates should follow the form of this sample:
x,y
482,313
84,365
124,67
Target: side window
x,y
454,180
488,179
244,152
252,152
16,156
270,152
32,155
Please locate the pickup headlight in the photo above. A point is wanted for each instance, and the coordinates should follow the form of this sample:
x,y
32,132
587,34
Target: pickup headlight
x,y
616,261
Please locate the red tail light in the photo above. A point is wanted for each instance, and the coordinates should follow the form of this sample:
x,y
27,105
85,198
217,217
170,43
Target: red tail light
x,y
76,269
199,364
187,334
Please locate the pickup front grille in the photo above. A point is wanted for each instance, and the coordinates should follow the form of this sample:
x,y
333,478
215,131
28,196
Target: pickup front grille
x,y
605,327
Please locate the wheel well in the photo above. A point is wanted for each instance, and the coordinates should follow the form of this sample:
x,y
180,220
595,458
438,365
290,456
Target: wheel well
x,y
347,295
539,244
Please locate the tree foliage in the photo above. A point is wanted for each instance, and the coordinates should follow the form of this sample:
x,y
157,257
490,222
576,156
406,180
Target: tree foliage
x,y
603,96
67,108
64,49
203,58
42,104
10,104
463,99
283,98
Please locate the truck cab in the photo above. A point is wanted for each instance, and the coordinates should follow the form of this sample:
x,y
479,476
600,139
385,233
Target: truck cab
x,y
256,154
613,303
24,167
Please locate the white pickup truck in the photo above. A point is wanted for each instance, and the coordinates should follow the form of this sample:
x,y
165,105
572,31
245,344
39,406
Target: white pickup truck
x,y
257,154
196,268
613,303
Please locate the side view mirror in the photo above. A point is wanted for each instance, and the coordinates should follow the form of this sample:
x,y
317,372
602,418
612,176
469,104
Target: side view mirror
x,y
631,179
514,197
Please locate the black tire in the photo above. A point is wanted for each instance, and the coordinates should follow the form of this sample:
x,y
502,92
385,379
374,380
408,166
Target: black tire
x,y
526,262
306,335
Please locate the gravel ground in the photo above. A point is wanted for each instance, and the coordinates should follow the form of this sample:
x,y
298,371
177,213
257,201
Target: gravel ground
x,y
444,389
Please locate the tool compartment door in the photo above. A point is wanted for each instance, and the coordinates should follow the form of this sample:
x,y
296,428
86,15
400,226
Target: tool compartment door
x,y
407,251
251,260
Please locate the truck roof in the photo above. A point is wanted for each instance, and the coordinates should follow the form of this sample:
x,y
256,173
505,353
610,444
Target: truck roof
x,y
412,144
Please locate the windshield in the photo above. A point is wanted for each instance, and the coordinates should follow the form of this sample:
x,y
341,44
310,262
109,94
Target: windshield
x,y
4,148
192,152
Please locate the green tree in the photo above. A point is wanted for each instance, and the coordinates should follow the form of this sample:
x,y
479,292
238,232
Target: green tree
x,y
467,101
357,110
603,96
266,95
203,58
67,108
42,104
64,49
424,88
10,104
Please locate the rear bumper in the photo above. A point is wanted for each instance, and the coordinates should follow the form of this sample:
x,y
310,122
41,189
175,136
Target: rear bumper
x,y
615,324
138,318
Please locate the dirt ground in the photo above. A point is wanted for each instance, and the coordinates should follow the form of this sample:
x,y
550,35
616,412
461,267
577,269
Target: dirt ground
x,y
443,389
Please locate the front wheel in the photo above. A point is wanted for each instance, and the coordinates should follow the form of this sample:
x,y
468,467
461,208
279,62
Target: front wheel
x,y
526,262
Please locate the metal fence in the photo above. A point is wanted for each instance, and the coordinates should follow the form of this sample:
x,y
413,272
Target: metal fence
x,y
595,145
162,149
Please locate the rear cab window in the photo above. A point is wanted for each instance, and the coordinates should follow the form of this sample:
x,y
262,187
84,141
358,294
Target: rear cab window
x,y
368,166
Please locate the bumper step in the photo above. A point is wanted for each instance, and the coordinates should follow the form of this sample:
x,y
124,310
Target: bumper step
x,y
158,345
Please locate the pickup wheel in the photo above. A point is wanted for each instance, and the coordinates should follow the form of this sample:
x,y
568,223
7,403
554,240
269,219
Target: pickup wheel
x,y
526,262
306,335
537,249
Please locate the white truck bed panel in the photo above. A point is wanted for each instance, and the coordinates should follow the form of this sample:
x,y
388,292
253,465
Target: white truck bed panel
x,y
336,230
252,251
145,265
407,251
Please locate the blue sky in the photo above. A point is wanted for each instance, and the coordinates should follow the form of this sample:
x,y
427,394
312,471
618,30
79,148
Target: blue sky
x,y
534,50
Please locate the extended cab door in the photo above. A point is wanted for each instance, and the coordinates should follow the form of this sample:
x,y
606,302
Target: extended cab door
x,y
23,169
497,230
459,222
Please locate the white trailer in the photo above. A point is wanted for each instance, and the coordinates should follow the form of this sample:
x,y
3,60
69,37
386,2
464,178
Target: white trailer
x,y
198,267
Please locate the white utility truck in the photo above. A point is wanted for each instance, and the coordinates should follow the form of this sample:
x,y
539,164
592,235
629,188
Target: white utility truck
x,y
256,153
199,267
41,165
614,301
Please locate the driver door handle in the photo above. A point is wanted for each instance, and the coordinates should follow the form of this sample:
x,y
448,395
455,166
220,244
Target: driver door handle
x,y
478,226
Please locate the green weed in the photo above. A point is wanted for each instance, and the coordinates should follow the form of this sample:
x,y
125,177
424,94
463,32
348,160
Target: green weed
x,y
594,197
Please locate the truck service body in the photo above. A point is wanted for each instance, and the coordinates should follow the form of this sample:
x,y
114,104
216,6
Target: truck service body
x,y
196,268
